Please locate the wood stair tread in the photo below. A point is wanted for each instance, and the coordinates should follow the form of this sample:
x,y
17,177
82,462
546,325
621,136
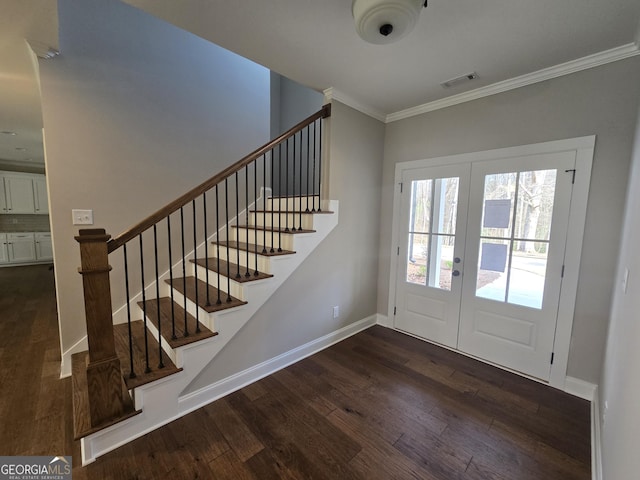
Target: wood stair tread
x,y
179,285
290,231
121,335
179,313
80,398
232,269
253,248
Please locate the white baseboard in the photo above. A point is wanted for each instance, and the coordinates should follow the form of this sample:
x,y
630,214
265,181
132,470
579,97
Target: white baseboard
x,y
596,439
580,388
210,393
384,321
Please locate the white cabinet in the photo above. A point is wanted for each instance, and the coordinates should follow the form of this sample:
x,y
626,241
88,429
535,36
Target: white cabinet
x,y
40,197
22,193
44,249
18,192
4,254
21,247
3,196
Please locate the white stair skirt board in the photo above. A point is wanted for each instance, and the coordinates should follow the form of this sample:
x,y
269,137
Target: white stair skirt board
x,y
160,401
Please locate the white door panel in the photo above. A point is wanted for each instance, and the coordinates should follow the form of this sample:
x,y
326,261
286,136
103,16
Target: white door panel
x,y
511,320
433,216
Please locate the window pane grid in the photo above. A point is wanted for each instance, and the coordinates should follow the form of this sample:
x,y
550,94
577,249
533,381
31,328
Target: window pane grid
x,y
431,234
514,241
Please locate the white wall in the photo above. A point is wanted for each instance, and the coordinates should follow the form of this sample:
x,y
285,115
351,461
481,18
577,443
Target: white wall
x,y
136,112
341,271
620,384
600,101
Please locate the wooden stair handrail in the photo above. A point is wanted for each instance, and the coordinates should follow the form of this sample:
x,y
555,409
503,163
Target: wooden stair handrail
x,y
183,200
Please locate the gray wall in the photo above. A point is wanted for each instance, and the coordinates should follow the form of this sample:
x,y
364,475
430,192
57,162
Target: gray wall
x,y
341,271
620,384
291,102
599,101
136,112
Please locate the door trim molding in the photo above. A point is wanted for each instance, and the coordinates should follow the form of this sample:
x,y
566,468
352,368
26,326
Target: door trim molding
x,y
584,148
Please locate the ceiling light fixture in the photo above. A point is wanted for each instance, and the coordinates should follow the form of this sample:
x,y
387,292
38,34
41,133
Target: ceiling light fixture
x,y
385,21
22,149
8,132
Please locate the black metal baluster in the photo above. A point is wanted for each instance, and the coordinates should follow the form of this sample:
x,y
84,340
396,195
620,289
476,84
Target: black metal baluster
x,y
279,202
184,272
218,301
320,169
226,209
195,262
238,231
308,146
255,208
300,184
293,184
155,253
132,373
173,312
264,201
144,308
206,246
272,206
286,186
246,209
314,168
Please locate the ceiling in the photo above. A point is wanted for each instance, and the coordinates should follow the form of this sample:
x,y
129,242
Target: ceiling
x,y
314,43
20,110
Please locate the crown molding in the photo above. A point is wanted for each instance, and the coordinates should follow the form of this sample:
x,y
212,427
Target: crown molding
x,y
584,63
333,94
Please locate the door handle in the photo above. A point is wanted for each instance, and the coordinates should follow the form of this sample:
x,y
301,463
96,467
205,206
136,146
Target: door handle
x,y
456,273
457,260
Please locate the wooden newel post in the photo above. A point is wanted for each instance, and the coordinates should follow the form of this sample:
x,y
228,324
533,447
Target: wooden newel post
x,y
104,380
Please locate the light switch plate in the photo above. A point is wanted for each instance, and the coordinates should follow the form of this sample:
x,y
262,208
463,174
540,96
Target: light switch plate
x,y
82,217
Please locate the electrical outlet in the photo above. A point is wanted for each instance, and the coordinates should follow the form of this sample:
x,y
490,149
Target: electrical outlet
x,y
336,311
82,217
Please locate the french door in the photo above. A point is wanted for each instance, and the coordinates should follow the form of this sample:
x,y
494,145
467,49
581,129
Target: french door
x,y
482,249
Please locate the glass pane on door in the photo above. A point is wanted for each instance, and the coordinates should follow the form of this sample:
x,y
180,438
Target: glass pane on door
x,y
514,240
431,235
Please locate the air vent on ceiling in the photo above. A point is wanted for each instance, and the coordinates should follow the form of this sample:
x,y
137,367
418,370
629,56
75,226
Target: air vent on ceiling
x,y
458,80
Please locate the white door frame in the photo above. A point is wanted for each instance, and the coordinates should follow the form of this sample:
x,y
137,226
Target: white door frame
x,y
584,148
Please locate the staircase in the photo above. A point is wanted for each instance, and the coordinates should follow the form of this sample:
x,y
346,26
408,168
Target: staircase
x,y
223,262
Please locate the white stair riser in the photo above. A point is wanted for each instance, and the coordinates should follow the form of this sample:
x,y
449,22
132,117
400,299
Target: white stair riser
x,y
281,219
263,262
292,203
207,319
236,288
284,240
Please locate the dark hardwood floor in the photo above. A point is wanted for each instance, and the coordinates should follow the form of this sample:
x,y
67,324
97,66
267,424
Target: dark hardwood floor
x,y
379,405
